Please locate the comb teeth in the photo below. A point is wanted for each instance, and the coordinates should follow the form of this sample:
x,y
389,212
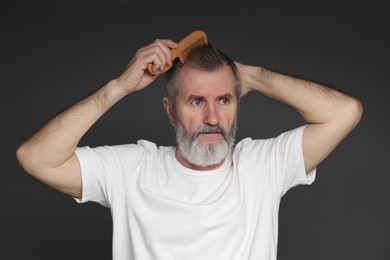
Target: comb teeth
x,y
184,53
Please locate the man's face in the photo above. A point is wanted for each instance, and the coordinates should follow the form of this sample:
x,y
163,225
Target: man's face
x,y
206,109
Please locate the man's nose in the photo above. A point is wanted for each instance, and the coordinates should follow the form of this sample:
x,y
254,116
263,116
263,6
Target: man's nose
x,y
211,115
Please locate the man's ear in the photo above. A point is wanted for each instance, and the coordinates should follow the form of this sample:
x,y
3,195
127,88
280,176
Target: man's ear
x,y
168,109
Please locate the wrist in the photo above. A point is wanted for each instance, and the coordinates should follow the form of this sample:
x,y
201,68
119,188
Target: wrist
x,y
117,89
109,94
254,80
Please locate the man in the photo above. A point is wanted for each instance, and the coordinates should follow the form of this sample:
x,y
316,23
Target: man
x,y
206,198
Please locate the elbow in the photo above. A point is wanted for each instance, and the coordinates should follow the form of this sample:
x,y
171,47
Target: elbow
x,y
24,158
353,113
357,111
21,155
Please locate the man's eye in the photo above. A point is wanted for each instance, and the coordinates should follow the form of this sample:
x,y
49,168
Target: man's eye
x,y
197,102
224,100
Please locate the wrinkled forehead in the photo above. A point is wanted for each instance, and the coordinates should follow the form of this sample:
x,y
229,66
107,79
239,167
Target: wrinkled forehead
x,y
194,81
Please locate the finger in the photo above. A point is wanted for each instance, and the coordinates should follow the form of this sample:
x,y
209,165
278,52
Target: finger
x,y
166,46
150,58
161,57
157,54
169,43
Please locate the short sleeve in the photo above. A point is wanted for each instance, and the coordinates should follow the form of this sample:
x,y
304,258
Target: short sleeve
x,y
104,171
278,161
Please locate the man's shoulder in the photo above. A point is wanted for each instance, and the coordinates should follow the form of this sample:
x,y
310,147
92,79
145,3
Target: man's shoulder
x,y
141,145
153,146
250,143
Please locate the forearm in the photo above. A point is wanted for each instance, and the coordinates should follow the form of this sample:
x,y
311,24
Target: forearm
x,y
315,102
57,140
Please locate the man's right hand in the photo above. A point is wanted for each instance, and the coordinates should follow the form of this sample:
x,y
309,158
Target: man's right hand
x,y
136,75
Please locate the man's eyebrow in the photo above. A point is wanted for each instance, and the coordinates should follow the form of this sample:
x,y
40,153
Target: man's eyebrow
x,y
227,96
192,97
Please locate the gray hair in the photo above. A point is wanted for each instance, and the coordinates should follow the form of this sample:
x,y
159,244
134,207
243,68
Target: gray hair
x,y
206,58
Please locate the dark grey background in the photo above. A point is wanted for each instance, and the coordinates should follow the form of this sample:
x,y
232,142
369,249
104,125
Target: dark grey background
x,y
53,54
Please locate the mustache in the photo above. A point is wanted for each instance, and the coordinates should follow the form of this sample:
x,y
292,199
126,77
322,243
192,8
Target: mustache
x,y
210,129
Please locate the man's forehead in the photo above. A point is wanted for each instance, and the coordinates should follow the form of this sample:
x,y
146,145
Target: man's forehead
x,y
201,82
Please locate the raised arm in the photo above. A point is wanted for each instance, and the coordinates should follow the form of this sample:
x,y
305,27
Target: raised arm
x,y
330,115
49,154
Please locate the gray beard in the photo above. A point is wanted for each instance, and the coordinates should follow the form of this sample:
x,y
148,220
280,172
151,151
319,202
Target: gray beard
x,y
205,155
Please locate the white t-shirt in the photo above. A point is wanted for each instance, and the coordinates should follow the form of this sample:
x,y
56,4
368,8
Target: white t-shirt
x,y
162,210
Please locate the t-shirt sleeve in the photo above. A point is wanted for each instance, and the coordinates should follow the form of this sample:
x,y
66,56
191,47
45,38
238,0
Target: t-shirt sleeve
x,y
103,168
278,161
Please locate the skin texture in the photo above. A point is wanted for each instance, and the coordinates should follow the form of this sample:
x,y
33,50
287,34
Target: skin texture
x,y
205,98
49,154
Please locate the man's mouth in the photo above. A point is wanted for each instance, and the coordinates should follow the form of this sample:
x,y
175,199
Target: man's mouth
x,y
211,133
210,137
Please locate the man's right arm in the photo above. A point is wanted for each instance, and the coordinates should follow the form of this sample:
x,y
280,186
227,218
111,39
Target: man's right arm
x,y
49,154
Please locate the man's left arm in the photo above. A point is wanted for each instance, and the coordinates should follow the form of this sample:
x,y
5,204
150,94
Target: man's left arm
x,y
330,114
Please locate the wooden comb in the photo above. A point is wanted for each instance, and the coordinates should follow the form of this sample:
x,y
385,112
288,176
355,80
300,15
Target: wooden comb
x,y
188,43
